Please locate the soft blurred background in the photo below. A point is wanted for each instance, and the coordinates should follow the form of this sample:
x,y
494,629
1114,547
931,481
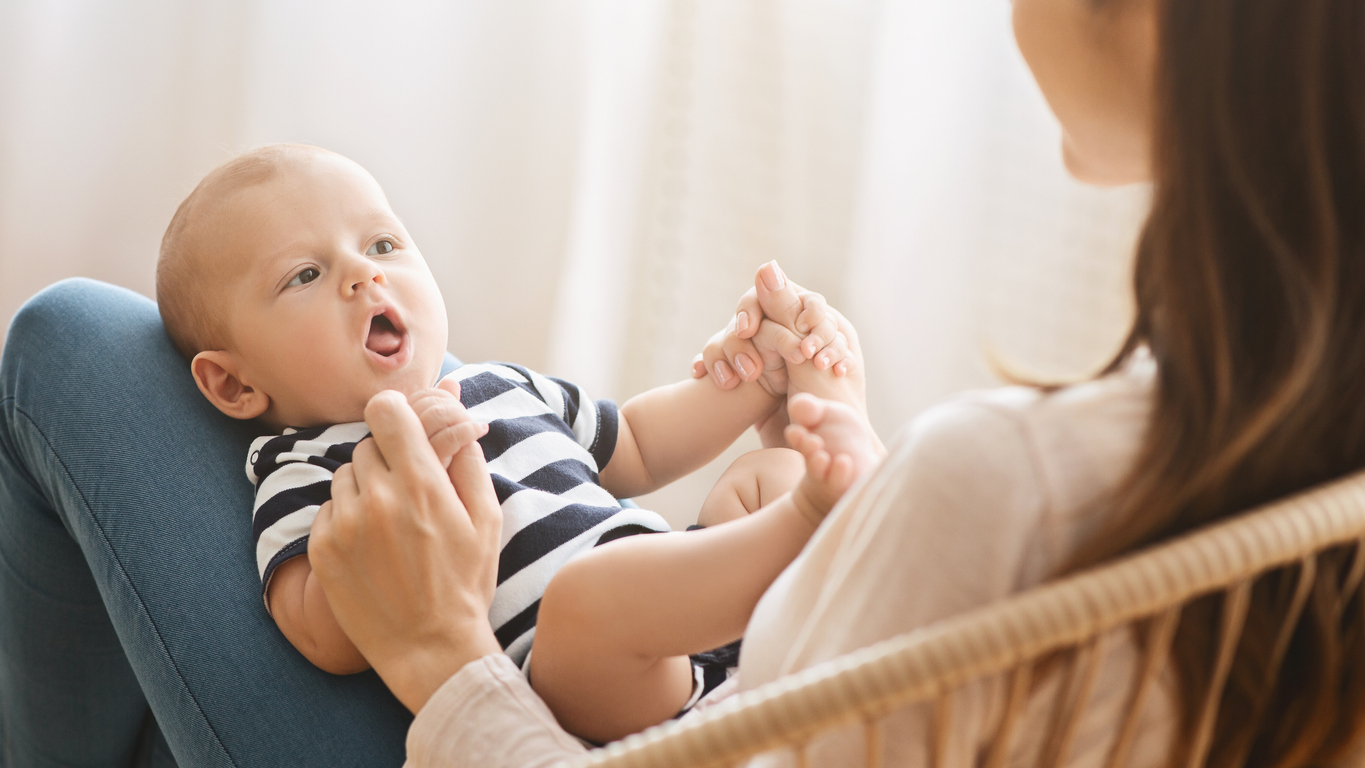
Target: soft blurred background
x,y
595,181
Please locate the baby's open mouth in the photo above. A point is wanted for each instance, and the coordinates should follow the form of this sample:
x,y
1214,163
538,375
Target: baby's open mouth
x,y
384,339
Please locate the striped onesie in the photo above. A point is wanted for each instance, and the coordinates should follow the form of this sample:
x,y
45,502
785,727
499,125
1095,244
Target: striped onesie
x,y
545,445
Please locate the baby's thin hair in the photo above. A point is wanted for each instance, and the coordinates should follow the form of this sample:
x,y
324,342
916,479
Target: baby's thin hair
x,y
184,283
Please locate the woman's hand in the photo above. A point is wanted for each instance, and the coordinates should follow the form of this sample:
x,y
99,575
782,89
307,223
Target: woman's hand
x,y
802,345
803,328
407,553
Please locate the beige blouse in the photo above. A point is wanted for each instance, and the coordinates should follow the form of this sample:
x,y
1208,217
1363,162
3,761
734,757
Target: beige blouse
x,y
980,497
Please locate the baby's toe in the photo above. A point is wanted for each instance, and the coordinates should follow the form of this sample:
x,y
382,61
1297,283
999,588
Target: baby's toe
x,y
807,410
842,472
818,464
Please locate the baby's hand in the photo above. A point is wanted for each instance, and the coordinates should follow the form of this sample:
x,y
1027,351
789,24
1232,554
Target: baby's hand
x,y
776,324
448,425
839,447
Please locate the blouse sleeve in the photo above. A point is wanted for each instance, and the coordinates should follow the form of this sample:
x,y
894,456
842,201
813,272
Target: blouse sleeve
x,y
486,715
940,528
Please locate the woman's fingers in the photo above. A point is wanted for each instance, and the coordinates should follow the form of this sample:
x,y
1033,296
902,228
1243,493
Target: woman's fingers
x,y
344,481
367,464
778,298
398,434
747,314
474,485
724,375
716,361
743,357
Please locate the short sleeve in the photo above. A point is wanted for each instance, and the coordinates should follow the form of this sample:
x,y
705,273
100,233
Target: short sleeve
x,y
293,477
594,423
487,715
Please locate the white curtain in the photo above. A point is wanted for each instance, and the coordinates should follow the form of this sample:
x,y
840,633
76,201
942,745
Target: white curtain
x,y
594,182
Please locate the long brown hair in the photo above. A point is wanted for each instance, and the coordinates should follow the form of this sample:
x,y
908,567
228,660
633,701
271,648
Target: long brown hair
x,y
1250,287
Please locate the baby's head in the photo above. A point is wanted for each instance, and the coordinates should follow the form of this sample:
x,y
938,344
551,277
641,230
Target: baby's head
x,y
295,292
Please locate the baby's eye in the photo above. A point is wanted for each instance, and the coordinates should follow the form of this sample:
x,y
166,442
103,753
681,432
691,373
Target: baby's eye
x,y
380,248
306,276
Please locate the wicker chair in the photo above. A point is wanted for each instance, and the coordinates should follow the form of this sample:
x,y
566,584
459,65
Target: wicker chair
x,y
1147,589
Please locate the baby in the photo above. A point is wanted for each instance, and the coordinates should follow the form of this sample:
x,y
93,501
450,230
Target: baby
x,y
297,295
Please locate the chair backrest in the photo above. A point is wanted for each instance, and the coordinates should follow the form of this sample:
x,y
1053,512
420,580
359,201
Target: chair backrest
x,y
1147,590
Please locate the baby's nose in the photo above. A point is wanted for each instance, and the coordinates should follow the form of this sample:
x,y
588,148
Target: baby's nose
x,y
376,277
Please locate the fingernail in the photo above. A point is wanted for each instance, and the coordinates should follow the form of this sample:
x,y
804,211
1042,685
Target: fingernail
x,y
781,276
824,362
744,364
802,326
722,373
773,277
809,347
742,322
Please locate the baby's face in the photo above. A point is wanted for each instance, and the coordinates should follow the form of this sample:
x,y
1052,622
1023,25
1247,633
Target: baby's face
x,y
331,301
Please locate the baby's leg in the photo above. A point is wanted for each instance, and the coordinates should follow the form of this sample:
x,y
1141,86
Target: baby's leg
x,y
616,624
754,481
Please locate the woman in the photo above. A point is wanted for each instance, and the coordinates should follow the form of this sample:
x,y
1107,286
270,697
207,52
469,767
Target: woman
x,y
1251,290
1250,117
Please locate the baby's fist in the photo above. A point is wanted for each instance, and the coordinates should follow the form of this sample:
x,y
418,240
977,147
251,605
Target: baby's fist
x,y
448,425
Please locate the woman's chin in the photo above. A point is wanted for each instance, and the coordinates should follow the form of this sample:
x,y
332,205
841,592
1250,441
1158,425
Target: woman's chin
x,y
1085,168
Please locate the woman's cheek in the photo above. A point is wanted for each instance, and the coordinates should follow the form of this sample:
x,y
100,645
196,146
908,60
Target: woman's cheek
x,y
1048,40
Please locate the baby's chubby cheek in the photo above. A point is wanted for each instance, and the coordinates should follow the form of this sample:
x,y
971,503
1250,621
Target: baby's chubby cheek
x,y
430,334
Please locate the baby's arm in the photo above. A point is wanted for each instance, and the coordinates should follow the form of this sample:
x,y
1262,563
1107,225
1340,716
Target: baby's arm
x,y
670,431
301,611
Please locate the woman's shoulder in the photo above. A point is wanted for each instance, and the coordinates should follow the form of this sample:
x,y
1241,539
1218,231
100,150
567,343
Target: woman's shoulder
x,y
1039,463
1087,428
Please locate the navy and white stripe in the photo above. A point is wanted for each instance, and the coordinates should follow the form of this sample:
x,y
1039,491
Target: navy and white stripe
x,y
293,478
545,444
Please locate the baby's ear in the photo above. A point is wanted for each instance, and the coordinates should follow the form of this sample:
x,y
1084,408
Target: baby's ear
x,y
218,375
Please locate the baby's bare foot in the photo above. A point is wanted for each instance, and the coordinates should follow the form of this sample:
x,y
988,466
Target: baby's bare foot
x,y
838,446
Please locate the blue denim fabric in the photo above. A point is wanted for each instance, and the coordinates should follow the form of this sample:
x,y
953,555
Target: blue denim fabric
x,y
127,576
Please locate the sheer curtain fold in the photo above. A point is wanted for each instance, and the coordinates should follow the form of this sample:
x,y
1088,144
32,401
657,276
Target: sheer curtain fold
x,y
594,183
